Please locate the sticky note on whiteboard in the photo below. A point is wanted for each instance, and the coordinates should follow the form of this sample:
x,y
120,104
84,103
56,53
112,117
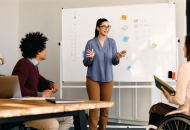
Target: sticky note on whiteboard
x,y
110,36
136,26
126,39
125,27
154,45
136,21
124,17
129,67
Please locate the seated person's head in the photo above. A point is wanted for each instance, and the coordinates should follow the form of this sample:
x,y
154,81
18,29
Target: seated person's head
x,y
34,46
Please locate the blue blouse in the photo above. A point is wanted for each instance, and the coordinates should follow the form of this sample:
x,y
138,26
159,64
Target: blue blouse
x,y
100,69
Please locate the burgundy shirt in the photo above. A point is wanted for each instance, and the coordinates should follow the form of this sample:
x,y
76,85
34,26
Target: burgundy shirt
x,y
29,78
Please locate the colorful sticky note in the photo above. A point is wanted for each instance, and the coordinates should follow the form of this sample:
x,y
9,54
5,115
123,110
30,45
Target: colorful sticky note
x,y
124,17
111,36
126,39
83,54
125,27
154,45
136,26
136,21
129,67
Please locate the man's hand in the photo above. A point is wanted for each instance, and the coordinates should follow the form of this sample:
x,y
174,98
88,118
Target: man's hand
x,y
54,87
47,93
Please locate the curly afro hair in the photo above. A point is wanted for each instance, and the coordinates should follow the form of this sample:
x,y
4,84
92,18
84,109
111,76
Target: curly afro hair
x,y
33,43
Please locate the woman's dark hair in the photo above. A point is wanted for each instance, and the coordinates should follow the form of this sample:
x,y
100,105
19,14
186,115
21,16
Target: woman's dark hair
x,y
33,43
187,44
98,23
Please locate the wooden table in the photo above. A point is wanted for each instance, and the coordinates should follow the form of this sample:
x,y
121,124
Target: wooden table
x,y
12,111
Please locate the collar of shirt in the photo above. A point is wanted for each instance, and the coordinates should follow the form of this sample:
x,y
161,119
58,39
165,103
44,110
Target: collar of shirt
x,y
34,62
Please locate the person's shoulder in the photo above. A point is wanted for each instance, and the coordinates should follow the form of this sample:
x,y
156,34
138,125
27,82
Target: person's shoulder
x,y
22,65
91,41
185,67
23,61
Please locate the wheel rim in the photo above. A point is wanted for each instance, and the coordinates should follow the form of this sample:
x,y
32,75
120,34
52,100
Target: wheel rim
x,y
175,123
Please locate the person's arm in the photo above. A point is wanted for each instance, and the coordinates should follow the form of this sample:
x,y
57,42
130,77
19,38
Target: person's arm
x,y
115,60
42,85
2,61
87,61
22,71
182,81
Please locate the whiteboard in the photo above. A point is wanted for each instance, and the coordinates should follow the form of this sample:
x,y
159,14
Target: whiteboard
x,y
147,24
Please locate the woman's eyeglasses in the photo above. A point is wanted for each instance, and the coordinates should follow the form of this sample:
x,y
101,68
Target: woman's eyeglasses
x,y
106,27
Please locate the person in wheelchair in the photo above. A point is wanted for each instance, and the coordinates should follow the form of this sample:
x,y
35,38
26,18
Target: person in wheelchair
x,y
182,95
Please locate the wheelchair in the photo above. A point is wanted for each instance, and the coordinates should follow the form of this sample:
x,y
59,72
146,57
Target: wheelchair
x,y
173,122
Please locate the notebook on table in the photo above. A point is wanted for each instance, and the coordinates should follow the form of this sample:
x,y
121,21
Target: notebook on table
x,y
166,86
64,100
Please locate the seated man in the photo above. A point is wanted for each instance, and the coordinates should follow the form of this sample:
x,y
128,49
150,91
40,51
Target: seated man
x,y
33,48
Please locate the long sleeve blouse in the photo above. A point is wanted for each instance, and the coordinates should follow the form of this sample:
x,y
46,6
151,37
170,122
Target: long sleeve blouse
x,y
182,96
100,69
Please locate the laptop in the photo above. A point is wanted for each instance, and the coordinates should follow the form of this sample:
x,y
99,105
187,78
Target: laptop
x,y
10,88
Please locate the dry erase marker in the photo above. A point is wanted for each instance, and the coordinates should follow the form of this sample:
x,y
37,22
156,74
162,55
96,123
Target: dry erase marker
x,y
92,53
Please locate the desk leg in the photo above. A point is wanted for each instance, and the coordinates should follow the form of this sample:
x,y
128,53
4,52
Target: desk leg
x,y
80,121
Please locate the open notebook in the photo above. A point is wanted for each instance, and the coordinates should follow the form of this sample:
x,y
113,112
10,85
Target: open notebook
x,y
166,86
64,100
33,98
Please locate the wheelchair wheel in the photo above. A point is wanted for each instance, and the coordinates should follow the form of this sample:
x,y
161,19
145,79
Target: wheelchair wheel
x,y
175,123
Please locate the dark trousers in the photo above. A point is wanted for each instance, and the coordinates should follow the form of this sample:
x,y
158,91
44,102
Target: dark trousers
x,y
157,113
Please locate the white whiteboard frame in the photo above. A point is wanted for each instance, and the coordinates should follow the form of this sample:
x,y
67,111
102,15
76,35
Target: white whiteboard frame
x,y
61,63
133,80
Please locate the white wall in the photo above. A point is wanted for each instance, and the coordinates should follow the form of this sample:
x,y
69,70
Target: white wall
x,y
181,28
9,34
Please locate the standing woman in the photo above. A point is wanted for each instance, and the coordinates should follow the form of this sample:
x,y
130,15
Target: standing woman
x,y
99,81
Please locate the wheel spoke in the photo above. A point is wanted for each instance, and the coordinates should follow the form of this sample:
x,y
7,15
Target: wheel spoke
x,y
178,125
168,126
175,125
172,126
185,126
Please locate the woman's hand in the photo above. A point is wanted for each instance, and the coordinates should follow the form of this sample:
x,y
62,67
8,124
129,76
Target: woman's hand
x,y
90,54
120,54
166,94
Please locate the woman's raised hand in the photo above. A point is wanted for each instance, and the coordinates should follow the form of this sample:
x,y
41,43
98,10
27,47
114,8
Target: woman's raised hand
x,y
90,54
121,54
